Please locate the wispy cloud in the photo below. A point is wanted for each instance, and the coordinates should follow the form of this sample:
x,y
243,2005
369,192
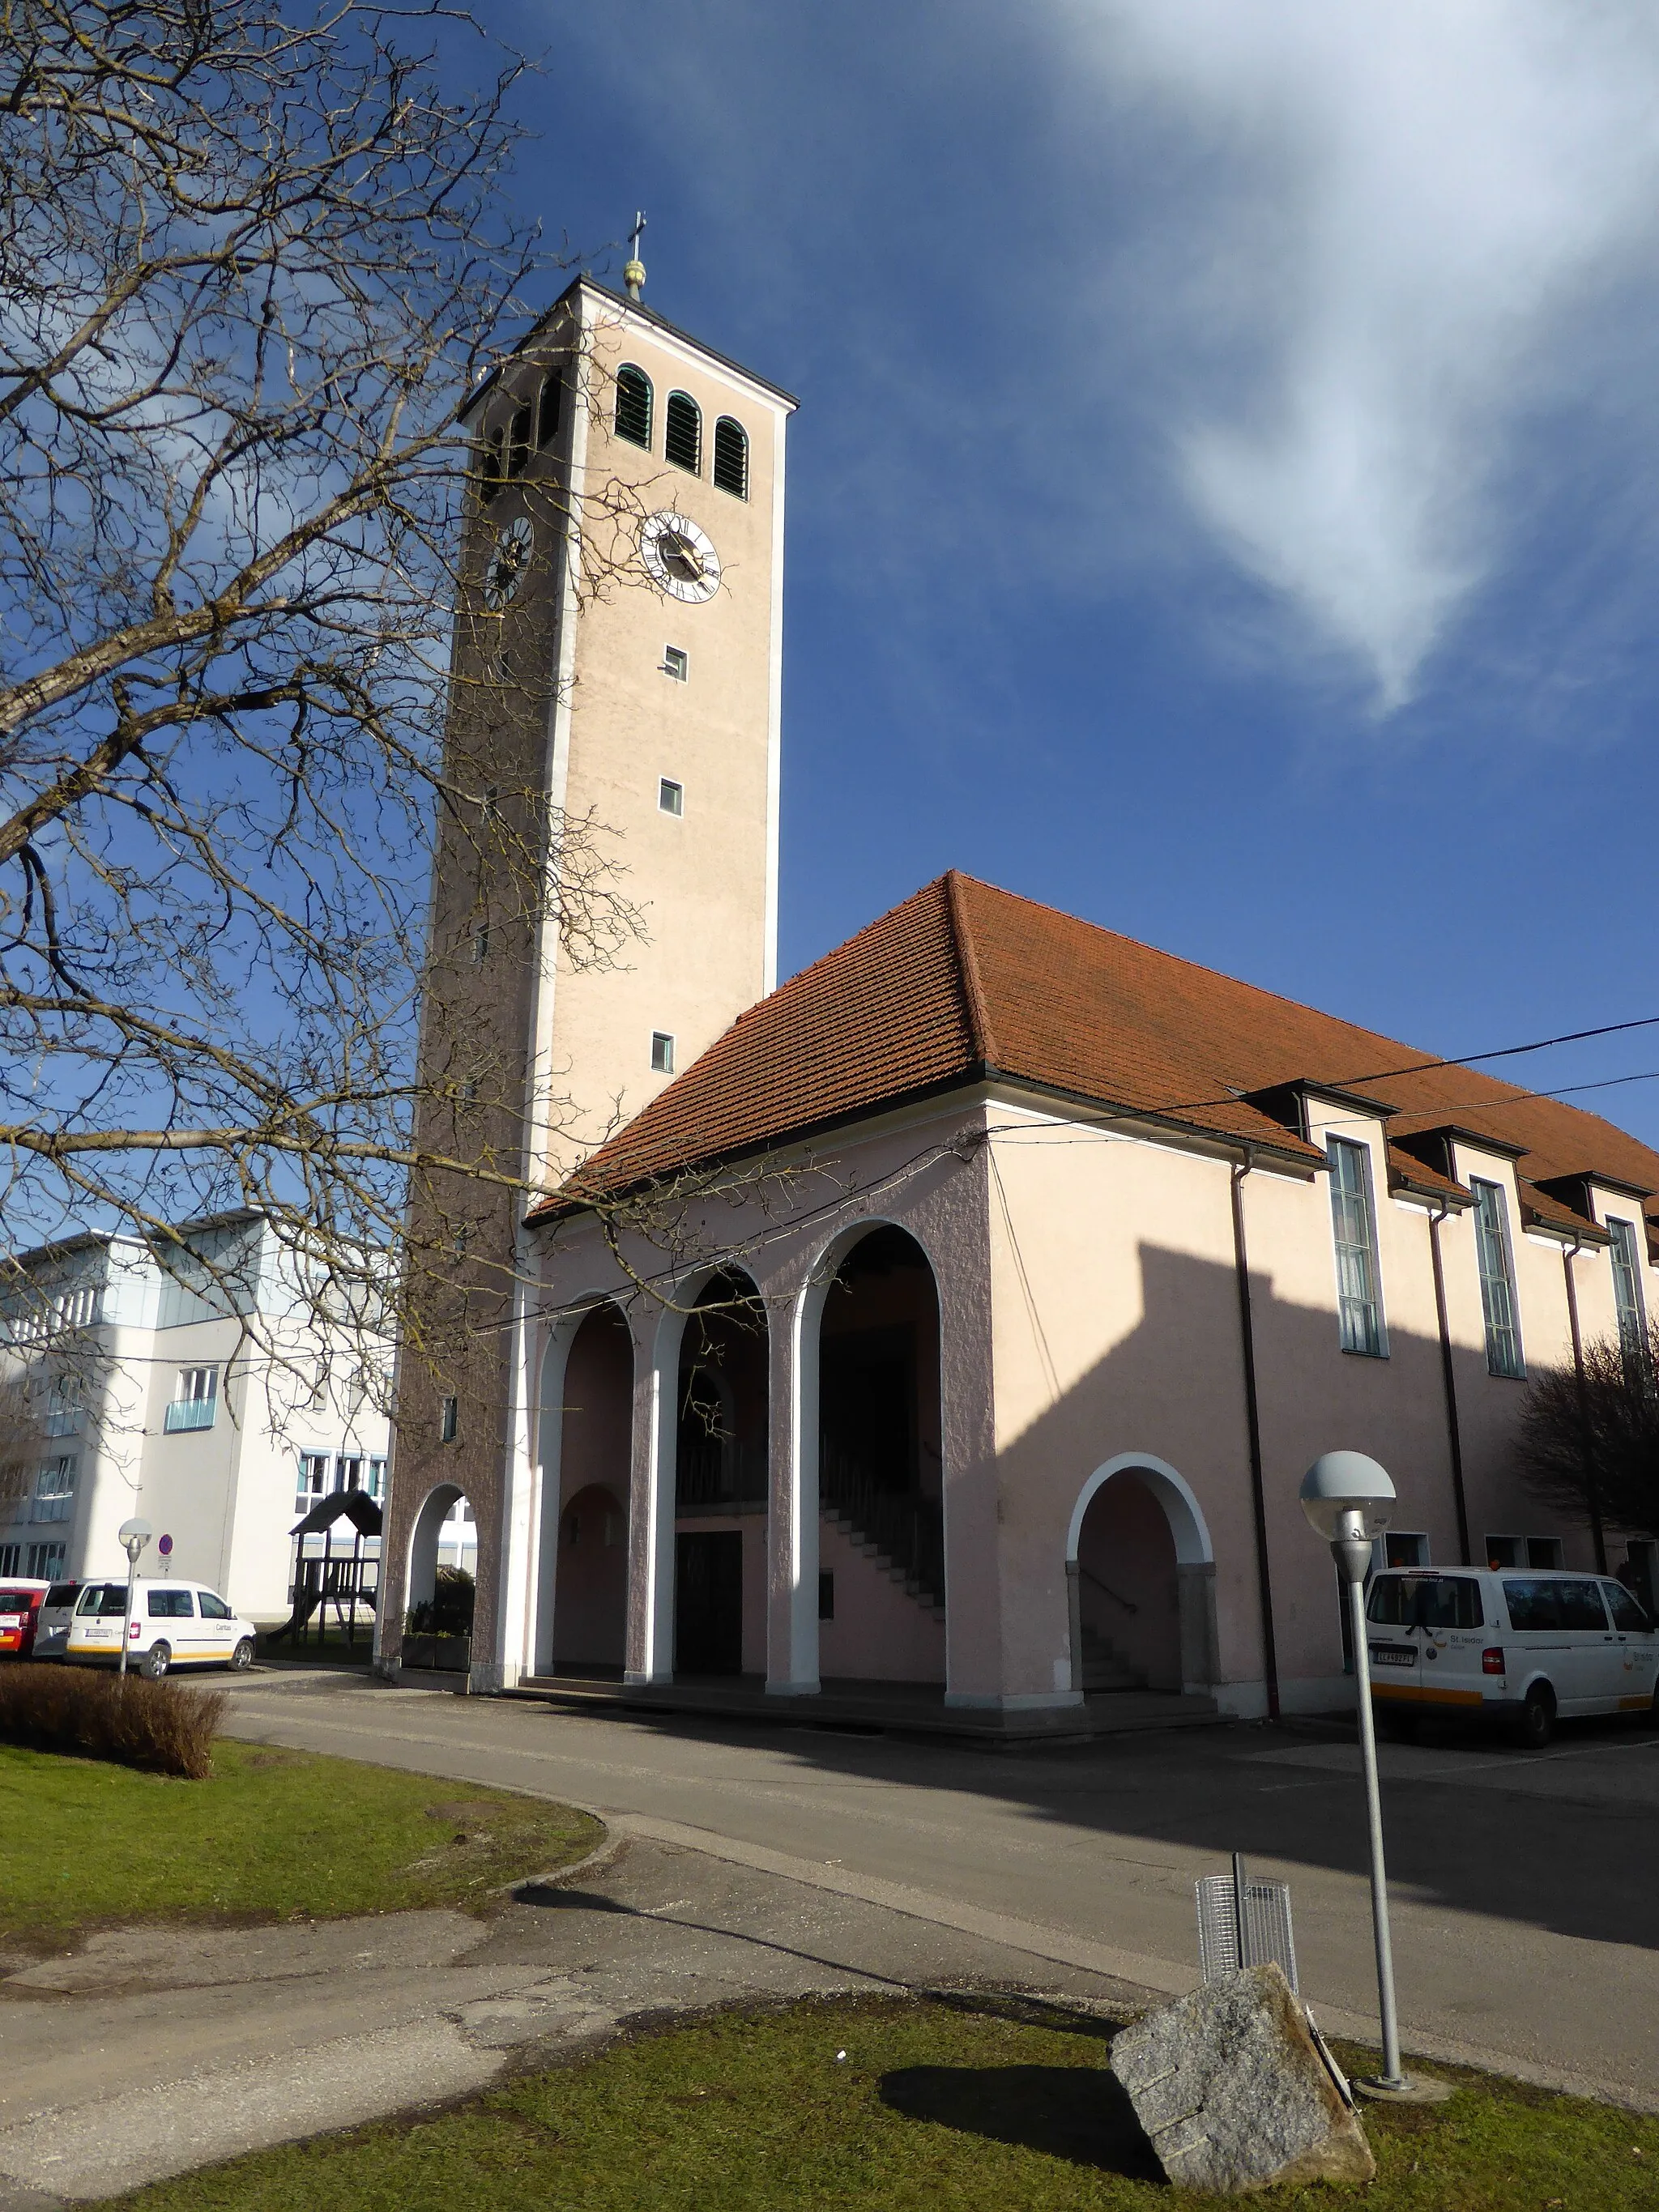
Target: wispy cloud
x,y
1414,212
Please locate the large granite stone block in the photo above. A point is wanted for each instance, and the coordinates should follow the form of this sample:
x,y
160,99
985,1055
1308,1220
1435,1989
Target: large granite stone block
x,y
1233,2093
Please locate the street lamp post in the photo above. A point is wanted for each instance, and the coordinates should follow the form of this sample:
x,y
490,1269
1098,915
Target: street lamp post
x,y
1347,1497
132,1536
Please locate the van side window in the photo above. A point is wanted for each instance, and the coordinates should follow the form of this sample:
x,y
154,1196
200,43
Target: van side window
x,y
1626,1612
169,1604
212,1608
1582,1607
1533,1605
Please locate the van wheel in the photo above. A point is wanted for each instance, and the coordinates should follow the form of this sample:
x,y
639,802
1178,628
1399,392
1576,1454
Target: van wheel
x,y
242,1657
155,1661
1534,1724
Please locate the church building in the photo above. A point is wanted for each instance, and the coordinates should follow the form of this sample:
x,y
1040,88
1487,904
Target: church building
x,y
962,1313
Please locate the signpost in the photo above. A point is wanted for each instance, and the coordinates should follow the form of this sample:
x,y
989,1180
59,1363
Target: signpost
x,y
132,1536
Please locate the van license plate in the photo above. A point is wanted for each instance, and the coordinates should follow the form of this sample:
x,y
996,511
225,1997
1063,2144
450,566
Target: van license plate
x,y
1393,1655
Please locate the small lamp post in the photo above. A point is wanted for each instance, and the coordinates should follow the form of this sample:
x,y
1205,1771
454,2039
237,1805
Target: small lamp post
x,y
132,1536
1346,1499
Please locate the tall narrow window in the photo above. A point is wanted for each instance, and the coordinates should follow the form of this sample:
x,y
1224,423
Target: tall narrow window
x,y
1627,1287
1354,1223
682,437
731,457
549,407
54,1490
634,405
489,467
449,1420
518,439
1492,1248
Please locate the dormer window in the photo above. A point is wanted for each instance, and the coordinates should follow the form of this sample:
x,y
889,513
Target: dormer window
x,y
732,458
682,432
1353,1223
633,416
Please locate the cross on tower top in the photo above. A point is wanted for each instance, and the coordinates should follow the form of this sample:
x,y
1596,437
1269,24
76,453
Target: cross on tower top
x,y
633,268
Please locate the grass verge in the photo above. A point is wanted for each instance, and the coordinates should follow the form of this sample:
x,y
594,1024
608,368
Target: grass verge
x,y
961,2102
270,1835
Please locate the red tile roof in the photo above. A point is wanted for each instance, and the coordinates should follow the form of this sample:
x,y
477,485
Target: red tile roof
x,y
964,979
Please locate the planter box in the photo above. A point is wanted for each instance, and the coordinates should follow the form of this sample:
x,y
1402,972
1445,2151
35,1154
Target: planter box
x,y
446,1655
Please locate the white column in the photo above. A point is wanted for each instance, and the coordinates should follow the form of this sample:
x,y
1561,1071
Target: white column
x,y
650,1646
792,1527
520,1514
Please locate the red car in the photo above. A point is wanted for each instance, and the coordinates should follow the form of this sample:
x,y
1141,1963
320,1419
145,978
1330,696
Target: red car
x,y
19,1611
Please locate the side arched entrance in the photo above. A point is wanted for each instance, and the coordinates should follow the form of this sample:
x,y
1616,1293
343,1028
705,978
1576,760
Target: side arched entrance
x,y
1140,1579
590,1576
441,1587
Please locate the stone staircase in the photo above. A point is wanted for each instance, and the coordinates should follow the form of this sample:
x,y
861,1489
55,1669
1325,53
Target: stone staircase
x,y
903,1534
1104,1666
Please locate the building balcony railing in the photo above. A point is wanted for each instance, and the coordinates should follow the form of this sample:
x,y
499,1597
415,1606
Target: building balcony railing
x,y
719,1477
189,1414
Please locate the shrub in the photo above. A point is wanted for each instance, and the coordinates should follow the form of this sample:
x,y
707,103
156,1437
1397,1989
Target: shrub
x,y
156,1725
449,1611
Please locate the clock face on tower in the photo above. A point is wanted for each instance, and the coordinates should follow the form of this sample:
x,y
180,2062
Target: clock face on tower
x,y
680,556
508,559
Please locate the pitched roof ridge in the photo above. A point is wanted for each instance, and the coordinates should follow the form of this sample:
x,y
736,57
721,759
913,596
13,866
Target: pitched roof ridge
x,y
981,1037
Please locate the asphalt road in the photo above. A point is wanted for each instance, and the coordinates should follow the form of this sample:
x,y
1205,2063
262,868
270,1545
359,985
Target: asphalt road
x,y
1526,1913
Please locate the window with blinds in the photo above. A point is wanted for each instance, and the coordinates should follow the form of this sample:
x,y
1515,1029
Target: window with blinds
x,y
1497,1299
1353,1223
732,458
633,416
682,437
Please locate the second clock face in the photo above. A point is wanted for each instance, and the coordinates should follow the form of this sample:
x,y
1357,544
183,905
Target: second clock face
x,y
508,559
680,556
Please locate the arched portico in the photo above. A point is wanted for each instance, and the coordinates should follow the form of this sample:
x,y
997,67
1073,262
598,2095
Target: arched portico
x,y
865,1457
1140,1579
583,1444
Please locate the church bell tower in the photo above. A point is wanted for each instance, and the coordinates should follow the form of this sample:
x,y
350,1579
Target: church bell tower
x,y
605,884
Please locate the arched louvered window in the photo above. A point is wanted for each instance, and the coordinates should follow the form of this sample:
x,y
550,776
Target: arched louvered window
x,y
550,407
634,405
682,432
731,457
489,466
518,439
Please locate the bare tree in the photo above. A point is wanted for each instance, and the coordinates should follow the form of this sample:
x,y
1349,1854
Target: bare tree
x,y
254,258
1593,1446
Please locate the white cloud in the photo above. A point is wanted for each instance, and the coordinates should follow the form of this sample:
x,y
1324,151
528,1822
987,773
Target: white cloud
x,y
1411,208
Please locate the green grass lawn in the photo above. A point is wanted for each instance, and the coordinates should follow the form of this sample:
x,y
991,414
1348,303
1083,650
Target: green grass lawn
x,y
990,2103
279,1834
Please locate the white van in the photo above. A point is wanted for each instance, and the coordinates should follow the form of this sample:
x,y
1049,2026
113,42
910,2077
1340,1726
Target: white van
x,y
1524,1647
174,1624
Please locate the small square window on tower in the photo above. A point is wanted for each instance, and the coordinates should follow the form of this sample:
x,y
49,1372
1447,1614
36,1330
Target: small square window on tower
x,y
675,662
662,1053
670,796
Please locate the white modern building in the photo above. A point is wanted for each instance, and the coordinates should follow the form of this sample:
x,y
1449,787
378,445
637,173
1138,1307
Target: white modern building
x,y
199,1394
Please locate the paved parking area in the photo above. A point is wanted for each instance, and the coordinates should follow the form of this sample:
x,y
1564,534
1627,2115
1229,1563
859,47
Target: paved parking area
x,y
1527,1919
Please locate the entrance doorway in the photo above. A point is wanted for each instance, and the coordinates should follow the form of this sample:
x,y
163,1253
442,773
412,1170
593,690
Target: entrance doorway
x,y
1142,1582
708,1602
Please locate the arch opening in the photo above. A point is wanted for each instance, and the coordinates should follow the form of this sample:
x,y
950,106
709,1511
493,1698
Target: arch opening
x,y
595,1413
1141,1582
882,1588
720,1481
443,1554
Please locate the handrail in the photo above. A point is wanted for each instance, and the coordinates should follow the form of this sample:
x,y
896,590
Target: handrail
x,y
1127,1604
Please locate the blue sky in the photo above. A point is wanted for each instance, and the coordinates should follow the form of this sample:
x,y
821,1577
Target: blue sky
x,y
1223,501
